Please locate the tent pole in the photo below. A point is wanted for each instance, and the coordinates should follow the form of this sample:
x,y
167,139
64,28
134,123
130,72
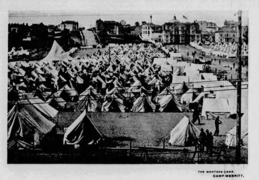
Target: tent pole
x,y
238,122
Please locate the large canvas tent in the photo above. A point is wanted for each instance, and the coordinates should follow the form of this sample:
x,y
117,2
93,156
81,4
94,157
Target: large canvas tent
x,y
56,101
216,106
26,126
142,129
188,96
184,133
225,100
81,131
168,102
88,100
42,106
57,54
231,135
113,104
143,104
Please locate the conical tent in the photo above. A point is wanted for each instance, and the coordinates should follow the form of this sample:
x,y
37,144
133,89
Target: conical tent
x,y
231,135
188,96
26,126
69,93
113,104
143,104
56,101
57,53
41,106
81,131
184,133
88,100
168,102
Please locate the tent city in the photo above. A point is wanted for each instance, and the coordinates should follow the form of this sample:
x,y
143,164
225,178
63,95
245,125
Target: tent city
x,y
98,89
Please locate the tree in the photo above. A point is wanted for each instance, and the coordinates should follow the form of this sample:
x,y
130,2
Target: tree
x,y
137,24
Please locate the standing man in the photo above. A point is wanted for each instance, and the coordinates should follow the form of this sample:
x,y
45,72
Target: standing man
x,y
196,116
217,123
202,139
210,143
207,140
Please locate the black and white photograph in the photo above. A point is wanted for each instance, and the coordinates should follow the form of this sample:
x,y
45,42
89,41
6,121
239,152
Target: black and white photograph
x,y
128,87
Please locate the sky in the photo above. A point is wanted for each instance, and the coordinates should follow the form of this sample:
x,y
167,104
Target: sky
x,y
88,20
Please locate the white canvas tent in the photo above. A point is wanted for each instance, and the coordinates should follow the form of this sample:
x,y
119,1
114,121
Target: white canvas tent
x,y
57,54
188,96
42,106
214,106
175,55
143,104
113,104
26,126
179,80
81,131
231,135
222,89
225,100
56,100
209,77
184,133
168,102
88,100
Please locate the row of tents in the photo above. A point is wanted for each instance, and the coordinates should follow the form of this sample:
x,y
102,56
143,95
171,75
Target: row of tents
x,y
187,85
183,88
27,128
228,50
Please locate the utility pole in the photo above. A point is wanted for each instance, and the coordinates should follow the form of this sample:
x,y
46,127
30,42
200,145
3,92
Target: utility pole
x,y
109,54
238,121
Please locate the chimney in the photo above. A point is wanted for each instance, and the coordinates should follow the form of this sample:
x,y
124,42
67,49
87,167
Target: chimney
x,y
151,19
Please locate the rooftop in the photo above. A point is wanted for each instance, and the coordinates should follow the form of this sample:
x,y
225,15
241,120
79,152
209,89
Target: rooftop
x,y
151,24
230,22
226,29
174,20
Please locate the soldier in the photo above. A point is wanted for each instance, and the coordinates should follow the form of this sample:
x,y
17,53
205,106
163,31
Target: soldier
x,y
202,139
207,144
210,138
196,116
217,123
